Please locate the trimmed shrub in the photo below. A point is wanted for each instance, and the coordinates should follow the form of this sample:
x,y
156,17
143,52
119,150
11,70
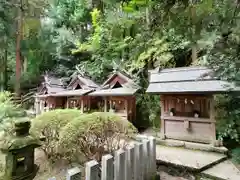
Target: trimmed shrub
x,y
93,135
49,125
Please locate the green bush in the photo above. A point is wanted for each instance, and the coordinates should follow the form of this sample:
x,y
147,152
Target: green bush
x,y
236,155
93,135
49,124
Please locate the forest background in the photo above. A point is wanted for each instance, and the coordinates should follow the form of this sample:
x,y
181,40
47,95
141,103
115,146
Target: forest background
x,y
97,36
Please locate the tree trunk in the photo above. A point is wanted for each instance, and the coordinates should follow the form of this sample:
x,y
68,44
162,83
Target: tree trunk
x,y
18,51
194,34
1,75
5,66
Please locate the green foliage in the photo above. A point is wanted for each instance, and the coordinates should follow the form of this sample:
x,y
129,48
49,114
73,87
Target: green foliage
x,y
9,111
223,57
236,155
228,114
49,124
134,35
94,135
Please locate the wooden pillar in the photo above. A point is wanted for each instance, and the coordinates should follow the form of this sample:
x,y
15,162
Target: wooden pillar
x,y
67,103
105,104
37,105
161,117
89,104
82,105
110,103
212,118
126,106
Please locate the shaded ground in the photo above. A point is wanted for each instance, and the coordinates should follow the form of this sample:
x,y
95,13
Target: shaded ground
x,y
47,169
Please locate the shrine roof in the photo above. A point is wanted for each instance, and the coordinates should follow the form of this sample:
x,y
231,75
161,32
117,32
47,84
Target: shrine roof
x,y
188,80
52,80
129,82
129,87
66,93
88,83
121,91
51,84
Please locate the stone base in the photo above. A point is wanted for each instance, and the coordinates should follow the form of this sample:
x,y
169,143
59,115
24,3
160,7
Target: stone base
x,y
192,145
185,144
28,176
225,170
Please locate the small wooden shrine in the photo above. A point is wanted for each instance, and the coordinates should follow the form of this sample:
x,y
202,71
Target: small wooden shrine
x,y
71,96
117,94
187,102
43,99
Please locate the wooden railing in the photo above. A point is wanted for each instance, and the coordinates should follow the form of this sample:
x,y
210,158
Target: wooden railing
x,y
137,162
25,98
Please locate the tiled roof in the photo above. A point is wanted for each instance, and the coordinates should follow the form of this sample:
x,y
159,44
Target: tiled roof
x,y
66,93
187,80
180,74
129,82
79,92
88,83
114,92
53,80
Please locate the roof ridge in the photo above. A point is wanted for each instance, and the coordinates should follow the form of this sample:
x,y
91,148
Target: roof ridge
x,y
178,69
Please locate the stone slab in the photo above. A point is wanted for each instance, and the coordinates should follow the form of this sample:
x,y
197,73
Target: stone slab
x,y
191,159
225,170
185,144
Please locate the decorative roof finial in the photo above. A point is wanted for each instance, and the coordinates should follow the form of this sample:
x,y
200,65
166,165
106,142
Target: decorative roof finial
x,y
115,67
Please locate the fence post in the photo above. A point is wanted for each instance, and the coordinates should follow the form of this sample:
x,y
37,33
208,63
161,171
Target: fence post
x,y
153,166
138,161
107,167
92,170
74,174
146,158
119,165
130,163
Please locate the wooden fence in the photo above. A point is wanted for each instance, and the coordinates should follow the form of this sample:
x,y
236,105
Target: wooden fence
x,y
135,163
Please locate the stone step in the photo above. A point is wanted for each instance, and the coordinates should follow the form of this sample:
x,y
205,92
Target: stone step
x,y
192,145
193,160
225,170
